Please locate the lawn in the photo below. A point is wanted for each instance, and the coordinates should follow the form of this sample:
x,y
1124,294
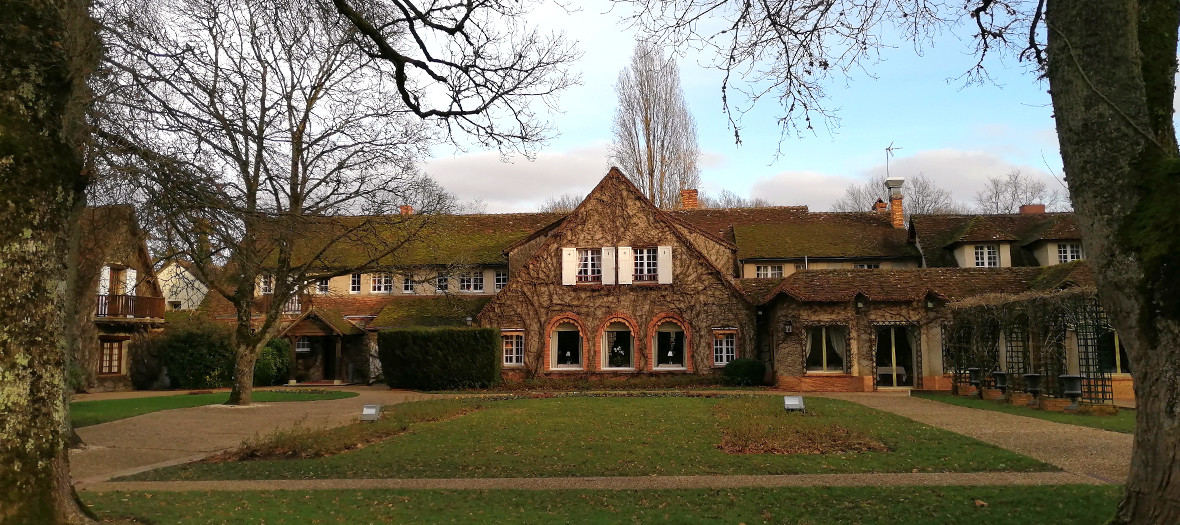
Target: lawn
x,y
1123,422
1074,504
630,436
86,413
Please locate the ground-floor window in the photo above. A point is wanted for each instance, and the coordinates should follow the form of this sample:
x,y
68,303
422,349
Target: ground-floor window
x,y
724,347
513,348
669,345
111,361
618,346
303,344
826,348
1112,356
566,342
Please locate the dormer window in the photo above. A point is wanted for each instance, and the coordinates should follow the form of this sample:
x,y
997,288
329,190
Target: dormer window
x,y
266,284
321,286
987,256
589,265
1069,252
646,265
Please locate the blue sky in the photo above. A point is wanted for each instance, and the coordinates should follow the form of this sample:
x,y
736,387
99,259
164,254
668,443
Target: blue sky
x,y
957,135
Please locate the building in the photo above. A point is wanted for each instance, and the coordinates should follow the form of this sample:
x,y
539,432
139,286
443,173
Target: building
x,y
617,287
118,297
182,289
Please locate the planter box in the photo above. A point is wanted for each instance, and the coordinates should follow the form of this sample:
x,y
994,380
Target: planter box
x,y
1099,410
993,394
1054,404
1020,398
967,391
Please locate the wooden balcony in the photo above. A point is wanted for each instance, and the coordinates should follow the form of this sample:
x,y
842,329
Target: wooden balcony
x,y
296,305
128,307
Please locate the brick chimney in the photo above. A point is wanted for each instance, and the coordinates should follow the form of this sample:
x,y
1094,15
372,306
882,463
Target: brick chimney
x,y
880,206
688,199
896,212
406,209
1032,209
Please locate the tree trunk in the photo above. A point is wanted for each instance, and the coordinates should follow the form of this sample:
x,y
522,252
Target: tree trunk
x,y
243,388
49,46
1111,71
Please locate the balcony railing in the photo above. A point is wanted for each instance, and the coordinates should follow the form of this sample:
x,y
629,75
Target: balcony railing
x,y
295,305
129,306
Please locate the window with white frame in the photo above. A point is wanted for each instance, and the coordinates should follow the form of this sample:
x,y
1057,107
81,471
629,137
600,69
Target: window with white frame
x,y
501,279
1069,252
867,266
669,345
987,256
382,283
321,286
266,284
407,284
303,345
513,348
724,347
441,284
769,271
354,283
566,344
800,266
589,265
471,282
647,265
618,346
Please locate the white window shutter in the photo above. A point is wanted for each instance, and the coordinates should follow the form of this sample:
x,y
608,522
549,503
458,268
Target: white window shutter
x,y
608,265
129,282
569,266
104,281
664,265
626,265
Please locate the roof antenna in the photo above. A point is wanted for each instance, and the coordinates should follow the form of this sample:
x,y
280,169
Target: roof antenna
x,y
889,153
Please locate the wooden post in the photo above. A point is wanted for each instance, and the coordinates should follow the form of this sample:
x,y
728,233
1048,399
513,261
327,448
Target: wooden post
x,y
291,355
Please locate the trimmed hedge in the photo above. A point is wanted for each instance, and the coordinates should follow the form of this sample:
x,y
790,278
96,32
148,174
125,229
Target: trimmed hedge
x,y
744,372
197,355
440,358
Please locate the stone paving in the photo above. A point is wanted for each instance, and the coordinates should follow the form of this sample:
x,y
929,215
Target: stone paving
x,y
120,448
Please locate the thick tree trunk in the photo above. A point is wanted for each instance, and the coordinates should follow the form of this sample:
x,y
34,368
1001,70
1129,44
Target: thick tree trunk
x,y
243,388
1111,71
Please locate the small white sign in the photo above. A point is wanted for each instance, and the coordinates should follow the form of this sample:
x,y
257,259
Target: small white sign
x,y
792,403
371,413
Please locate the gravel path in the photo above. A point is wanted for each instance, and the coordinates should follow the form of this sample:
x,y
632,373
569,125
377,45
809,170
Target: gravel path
x,y
171,437
608,483
1099,454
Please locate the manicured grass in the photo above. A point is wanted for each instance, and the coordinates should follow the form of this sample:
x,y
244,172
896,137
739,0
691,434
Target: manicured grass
x,y
86,413
623,437
1074,504
1123,422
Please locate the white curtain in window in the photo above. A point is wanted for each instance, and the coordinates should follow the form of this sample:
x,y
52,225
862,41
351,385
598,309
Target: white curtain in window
x,y
129,282
837,342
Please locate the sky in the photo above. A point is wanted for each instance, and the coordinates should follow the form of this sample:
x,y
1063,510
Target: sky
x,y
955,134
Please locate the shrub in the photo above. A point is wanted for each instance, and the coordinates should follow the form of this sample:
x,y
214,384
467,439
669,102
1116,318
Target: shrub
x,y
440,358
744,372
144,364
274,363
197,355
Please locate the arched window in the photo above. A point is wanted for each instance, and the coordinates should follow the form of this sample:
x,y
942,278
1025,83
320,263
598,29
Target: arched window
x,y
618,346
566,343
669,345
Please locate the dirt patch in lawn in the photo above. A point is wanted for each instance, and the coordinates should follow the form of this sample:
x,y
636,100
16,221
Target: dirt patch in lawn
x,y
750,427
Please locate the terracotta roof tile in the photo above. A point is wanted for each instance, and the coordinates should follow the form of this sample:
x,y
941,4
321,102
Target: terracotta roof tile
x,y
938,234
903,285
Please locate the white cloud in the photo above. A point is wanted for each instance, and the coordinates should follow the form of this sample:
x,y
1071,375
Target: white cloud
x,y
520,185
962,172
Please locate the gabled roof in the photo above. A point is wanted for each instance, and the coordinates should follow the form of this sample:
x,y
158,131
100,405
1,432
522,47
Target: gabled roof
x,y
912,284
111,234
331,318
939,234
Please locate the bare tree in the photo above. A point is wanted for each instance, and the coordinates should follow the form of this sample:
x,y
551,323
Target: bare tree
x,y
473,66
655,135
1005,194
922,196
1111,67
259,139
564,203
729,199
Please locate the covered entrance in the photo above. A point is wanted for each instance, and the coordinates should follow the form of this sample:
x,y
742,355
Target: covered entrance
x,y
320,343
